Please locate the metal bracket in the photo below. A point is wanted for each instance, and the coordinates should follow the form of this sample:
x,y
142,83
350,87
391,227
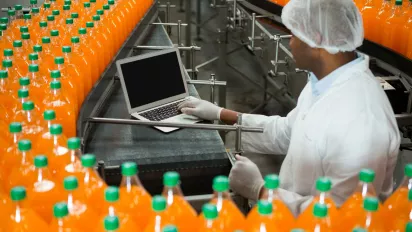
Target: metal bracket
x,y
179,25
234,18
141,47
167,6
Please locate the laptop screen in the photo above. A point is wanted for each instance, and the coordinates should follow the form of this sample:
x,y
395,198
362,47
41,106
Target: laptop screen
x,y
152,79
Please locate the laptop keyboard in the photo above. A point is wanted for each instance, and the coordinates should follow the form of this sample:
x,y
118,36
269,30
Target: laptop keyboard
x,y
162,113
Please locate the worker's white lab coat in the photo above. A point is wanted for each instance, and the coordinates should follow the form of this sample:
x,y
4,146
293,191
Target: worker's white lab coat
x,y
349,127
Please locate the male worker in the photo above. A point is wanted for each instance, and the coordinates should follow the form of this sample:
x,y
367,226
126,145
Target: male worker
x,y
343,121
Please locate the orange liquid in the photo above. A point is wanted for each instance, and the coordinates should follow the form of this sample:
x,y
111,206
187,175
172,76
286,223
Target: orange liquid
x,y
37,87
110,22
266,223
65,224
392,29
79,59
398,209
126,222
369,13
97,43
48,58
6,206
384,13
31,124
406,35
209,226
54,148
14,75
90,53
106,40
137,203
157,221
116,17
370,221
69,88
69,31
112,32
230,215
78,76
94,188
81,213
181,214
24,220
307,214
281,215
318,225
7,94
20,60
22,173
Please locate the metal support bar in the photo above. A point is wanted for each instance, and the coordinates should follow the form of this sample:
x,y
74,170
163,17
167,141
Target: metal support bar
x,y
238,144
180,125
167,6
167,47
198,19
193,74
179,25
188,34
170,24
212,88
207,82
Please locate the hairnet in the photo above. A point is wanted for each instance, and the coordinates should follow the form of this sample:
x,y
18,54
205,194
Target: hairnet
x,y
334,25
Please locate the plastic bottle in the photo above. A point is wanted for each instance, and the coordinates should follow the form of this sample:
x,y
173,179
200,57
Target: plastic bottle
x,y
38,84
27,20
74,168
69,30
401,216
323,186
20,57
22,97
66,13
90,51
369,12
84,60
30,120
11,152
12,72
107,27
281,212
370,219
320,221
159,218
49,118
118,19
56,43
112,208
265,221
22,219
393,28
103,33
46,10
75,72
22,172
111,224
6,207
135,199
62,221
35,15
68,76
384,13
406,35
86,13
113,25
81,213
408,227
59,20
98,43
180,211
14,24
4,42
76,21
7,90
43,191
51,24
47,54
209,221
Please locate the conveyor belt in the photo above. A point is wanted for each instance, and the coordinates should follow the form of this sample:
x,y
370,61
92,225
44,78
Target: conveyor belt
x,y
197,155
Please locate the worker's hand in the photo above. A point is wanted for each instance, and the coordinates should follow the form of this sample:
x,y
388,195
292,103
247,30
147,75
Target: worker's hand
x,y
200,108
245,178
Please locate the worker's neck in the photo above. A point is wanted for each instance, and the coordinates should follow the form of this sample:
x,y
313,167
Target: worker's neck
x,y
331,62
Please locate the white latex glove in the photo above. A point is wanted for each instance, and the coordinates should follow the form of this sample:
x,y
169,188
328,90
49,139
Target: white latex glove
x,y
245,178
200,108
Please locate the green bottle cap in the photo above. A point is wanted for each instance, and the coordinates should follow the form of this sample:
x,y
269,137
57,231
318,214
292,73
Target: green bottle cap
x,y
209,211
169,228
27,16
159,203
23,93
111,194
408,170
35,10
297,230
111,223
40,161
33,2
408,227
33,56
75,15
56,13
18,7
264,207
3,27
69,21
66,8
54,33
50,18
73,143
11,12
82,31
129,169
25,36
4,74
45,40
88,160
4,20
60,210
410,195
86,4
171,179
92,1
59,60
100,12
17,43
70,183
8,52
111,2
28,105
66,49
56,129
49,115
15,127
24,145
398,2
106,7
24,81
75,39
367,175
7,63
55,85
358,229
18,193
271,181
68,2
371,204
323,184
96,18
33,68
90,24
320,210
220,184
46,5
24,29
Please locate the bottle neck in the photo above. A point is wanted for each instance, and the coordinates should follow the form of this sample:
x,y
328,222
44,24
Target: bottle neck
x,y
49,123
209,223
70,200
23,157
40,174
23,99
60,222
55,92
29,115
398,11
4,81
128,183
12,18
17,212
16,137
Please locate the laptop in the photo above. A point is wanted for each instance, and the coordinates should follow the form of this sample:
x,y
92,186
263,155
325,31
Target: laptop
x,y
153,85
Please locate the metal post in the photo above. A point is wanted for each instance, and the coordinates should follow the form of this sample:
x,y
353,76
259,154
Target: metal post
x,y
179,33
193,65
238,144
234,13
252,42
168,28
198,19
277,55
188,28
221,69
212,88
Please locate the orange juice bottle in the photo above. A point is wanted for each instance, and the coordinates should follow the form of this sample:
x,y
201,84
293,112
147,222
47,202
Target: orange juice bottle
x,y
34,58
43,31
47,54
74,5
27,46
104,25
406,34
159,218
35,15
7,90
75,72
30,120
112,208
51,23
81,59
76,21
14,24
27,20
68,32
180,211
15,129
59,20
11,154
49,118
403,215
98,42
117,17
101,30
20,58
90,51
393,28
93,185
265,220
62,221
4,43
383,14
46,10
43,191
320,221
6,207
369,12
22,97
66,13
56,42
135,199
74,168
22,173
113,25
111,224
12,73
228,212
209,221
85,13
22,218
68,76
80,212
281,212
323,186
370,219
38,83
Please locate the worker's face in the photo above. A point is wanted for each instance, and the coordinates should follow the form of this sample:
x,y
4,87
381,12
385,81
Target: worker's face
x,y
304,55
